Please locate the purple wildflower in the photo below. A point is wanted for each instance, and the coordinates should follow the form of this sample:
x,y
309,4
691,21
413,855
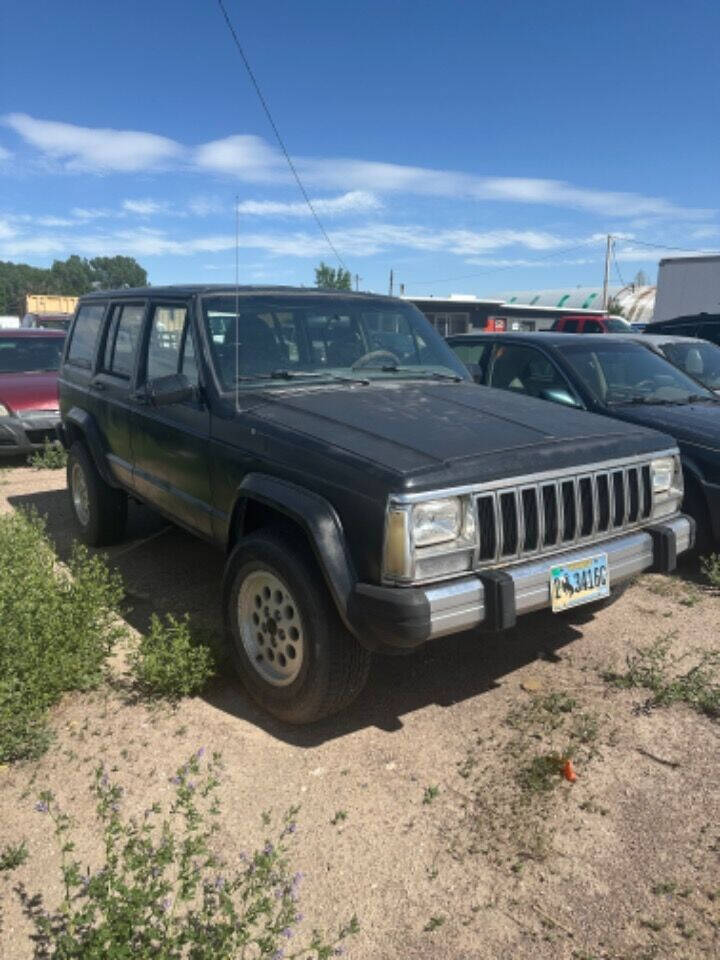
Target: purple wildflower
x,y
287,933
42,806
278,955
104,780
268,849
219,883
200,753
338,951
175,780
165,904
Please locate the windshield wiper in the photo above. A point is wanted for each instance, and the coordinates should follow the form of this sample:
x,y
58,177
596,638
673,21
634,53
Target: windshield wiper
x,y
420,373
701,398
655,402
299,375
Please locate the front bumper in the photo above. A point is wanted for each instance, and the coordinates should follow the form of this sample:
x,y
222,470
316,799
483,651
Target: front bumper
x,y
23,434
406,617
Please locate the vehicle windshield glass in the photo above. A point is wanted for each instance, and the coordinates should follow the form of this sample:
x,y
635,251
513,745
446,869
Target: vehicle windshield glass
x,y
617,325
275,340
622,373
698,359
30,354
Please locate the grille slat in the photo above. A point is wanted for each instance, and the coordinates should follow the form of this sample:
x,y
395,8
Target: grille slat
x,y
521,521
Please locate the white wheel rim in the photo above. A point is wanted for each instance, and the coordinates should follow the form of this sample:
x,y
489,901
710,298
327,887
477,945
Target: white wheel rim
x,y
80,497
270,628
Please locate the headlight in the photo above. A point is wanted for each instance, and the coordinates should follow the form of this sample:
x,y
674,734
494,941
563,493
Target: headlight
x,y
666,479
436,521
429,539
5,411
663,471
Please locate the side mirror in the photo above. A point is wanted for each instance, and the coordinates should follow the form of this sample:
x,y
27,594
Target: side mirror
x,y
166,390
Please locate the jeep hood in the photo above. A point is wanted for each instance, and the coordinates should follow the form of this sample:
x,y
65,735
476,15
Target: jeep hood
x,y
450,433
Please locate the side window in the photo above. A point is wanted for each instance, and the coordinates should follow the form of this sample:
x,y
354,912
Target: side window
x,y
709,331
529,371
593,326
123,338
85,334
166,333
471,354
570,326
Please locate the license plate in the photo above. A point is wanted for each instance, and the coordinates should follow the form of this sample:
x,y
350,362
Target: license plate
x,y
580,582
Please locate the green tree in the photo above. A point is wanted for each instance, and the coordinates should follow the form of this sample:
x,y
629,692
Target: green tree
x,y
71,277
331,278
110,273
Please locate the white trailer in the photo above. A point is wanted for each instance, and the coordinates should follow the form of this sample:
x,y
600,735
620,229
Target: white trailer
x,y
687,286
8,322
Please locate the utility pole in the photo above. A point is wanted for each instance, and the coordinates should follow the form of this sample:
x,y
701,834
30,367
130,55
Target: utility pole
x,y
391,283
357,282
606,275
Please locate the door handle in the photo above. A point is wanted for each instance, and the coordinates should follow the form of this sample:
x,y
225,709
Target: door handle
x,y
97,384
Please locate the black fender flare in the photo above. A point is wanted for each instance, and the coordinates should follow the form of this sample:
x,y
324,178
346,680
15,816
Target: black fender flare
x,y
79,420
318,519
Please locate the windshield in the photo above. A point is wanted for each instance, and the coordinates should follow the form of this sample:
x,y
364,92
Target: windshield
x,y
618,325
30,354
699,359
318,338
620,373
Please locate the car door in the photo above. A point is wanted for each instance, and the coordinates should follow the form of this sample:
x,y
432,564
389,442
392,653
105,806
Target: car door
x,y
524,369
113,385
170,442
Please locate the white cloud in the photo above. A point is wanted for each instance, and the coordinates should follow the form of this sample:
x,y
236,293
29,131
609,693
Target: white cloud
x,y
360,241
4,154
145,208
95,148
6,229
252,159
356,201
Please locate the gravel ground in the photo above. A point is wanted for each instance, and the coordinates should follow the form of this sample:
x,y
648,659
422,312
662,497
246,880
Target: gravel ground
x,y
447,849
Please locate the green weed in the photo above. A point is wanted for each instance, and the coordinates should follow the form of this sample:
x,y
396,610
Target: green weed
x,y
53,456
13,856
57,630
168,662
161,889
433,923
430,794
654,669
710,567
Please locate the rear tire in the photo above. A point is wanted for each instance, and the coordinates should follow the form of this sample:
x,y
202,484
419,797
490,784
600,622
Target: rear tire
x,y
293,654
99,510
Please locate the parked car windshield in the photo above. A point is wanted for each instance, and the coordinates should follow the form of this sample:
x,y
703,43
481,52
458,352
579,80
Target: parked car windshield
x,y
700,360
618,325
619,373
30,354
277,340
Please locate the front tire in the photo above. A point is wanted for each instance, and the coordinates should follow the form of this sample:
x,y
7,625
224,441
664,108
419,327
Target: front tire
x,y
99,510
289,647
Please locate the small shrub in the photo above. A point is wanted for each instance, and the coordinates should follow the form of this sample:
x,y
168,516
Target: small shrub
x,y
162,892
57,629
53,456
711,569
13,855
430,794
169,663
654,669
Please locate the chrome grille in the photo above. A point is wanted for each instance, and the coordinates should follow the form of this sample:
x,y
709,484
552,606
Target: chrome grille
x,y
532,519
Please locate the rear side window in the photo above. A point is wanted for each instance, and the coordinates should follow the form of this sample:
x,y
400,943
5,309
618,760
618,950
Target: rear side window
x,y
471,353
593,326
85,334
123,338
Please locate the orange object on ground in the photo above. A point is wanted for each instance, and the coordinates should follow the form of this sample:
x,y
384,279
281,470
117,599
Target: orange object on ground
x,y
568,771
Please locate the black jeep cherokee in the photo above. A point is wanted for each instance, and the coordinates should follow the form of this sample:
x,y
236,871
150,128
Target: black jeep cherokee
x,y
368,494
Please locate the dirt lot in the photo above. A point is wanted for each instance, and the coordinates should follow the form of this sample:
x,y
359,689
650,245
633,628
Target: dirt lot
x,y
433,808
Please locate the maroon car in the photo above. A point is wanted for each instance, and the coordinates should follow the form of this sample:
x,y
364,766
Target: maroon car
x,y
29,360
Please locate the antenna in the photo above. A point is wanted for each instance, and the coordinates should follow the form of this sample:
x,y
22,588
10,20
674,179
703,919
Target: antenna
x,y
237,302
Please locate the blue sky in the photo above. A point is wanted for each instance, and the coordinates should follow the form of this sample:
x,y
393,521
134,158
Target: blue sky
x,y
472,147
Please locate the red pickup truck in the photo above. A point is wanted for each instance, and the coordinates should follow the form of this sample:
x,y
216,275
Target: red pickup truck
x,y
584,324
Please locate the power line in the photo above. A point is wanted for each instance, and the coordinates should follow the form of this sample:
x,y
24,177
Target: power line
x,y
661,246
266,108
617,267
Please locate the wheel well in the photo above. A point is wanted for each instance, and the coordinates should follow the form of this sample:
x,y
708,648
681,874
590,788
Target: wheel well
x,y
250,515
73,433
